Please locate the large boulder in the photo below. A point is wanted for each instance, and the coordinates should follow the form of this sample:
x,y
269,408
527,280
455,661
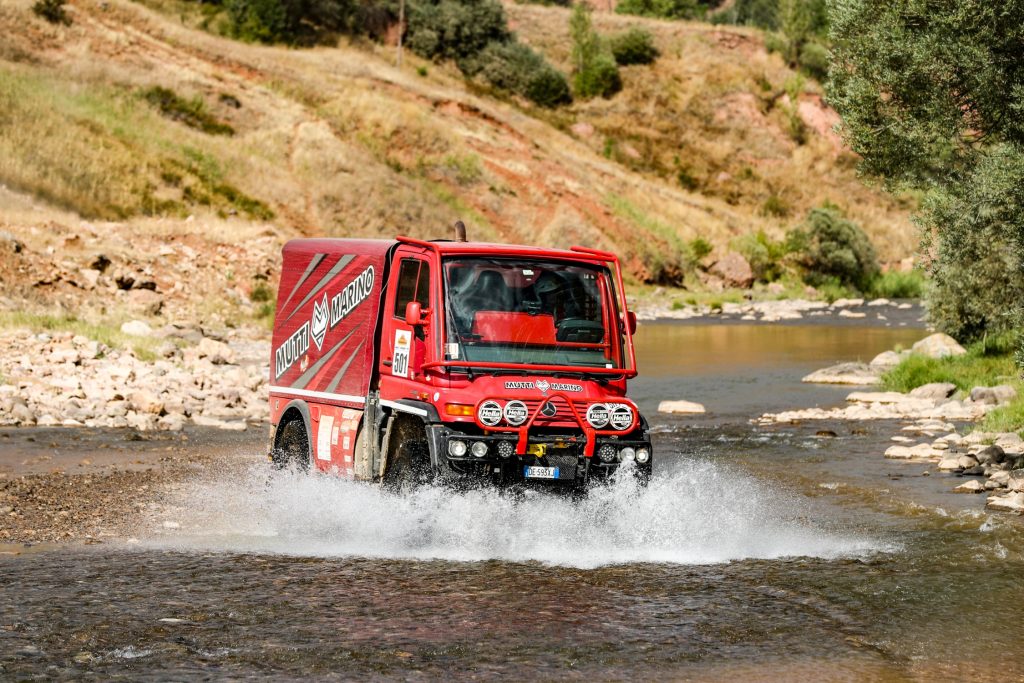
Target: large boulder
x,y
734,270
936,391
938,345
997,395
216,351
1012,502
886,360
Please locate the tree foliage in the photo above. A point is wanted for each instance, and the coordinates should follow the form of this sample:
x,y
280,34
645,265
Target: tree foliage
x,y
932,98
595,71
635,46
833,247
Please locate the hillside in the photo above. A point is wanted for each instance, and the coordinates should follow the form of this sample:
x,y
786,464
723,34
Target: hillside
x,y
131,112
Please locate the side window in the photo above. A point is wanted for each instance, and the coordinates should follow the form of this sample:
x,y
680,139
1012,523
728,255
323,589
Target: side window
x,y
413,285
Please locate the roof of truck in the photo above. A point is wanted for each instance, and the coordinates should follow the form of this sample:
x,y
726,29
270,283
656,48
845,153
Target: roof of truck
x,y
443,247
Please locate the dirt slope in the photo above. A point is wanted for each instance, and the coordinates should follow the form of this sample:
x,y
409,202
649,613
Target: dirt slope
x,y
340,142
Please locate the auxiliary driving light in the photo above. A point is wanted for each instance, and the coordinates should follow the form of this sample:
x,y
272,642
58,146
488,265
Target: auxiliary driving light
x,y
643,455
457,448
606,453
621,417
489,413
479,449
627,453
506,449
597,415
516,413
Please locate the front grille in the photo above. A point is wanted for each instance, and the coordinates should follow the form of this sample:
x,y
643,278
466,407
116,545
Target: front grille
x,y
562,412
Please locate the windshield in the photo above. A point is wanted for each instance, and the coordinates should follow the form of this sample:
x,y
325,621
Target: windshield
x,y
531,312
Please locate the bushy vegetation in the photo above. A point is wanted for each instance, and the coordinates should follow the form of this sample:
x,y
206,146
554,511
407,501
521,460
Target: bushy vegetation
x,y
516,68
667,9
192,112
635,46
797,29
895,284
931,101
767,257
52,11
595,73
832,246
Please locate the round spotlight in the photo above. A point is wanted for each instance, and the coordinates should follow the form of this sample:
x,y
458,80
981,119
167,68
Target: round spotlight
x,y
489,413
606,453
506,449
621,417
515,413
457,448
597,415
643,455
627,453
479,449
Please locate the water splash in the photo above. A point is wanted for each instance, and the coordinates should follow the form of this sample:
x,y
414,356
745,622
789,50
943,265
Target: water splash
x,y
696,513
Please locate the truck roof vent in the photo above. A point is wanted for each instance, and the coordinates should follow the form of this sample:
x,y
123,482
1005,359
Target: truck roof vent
x,y
460,231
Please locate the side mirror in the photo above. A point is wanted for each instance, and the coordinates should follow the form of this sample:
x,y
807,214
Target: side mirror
x,y
413,313
631,322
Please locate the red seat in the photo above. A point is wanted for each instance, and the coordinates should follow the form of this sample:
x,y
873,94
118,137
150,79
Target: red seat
x,y
517,328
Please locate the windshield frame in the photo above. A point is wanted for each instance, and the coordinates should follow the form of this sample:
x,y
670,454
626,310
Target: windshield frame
x,y
612,298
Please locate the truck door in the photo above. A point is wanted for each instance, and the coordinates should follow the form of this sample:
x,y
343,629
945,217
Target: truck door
x,y
407,345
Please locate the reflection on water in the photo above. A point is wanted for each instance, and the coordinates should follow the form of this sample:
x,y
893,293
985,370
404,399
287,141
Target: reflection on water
x,y
692,513
745,370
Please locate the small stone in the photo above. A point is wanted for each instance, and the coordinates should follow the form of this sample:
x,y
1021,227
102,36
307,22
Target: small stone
x,y
851,314
1012,502
997,395
1015,480
171,525
136,328
845,373
990,455
217,352
886,359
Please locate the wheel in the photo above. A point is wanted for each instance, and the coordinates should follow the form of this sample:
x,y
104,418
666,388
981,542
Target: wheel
x,y
408,458
291,447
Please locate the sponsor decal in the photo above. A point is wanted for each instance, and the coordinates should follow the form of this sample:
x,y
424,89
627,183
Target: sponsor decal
x,y
291,350
543,385
515,413
326,317
489,413
621,417
318,325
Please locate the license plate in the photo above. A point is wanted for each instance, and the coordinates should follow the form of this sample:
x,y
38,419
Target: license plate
x,y
540,472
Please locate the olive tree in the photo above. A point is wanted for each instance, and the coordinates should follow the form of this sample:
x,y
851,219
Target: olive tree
x,y
932,99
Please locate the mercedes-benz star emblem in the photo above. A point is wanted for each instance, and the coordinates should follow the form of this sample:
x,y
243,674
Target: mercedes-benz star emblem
x,y
549,409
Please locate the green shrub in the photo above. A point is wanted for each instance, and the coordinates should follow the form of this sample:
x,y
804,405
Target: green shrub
x,y
190,112
635,46
455,29
767,257
665,9
981,366
700,248
832,246
815,59
775,206
518,69
896,284
596,73
52,11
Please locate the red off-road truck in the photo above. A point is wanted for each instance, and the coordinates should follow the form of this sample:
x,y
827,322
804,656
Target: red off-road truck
x,y
404,360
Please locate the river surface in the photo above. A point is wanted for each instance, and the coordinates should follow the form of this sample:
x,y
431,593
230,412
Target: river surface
x,y
754,554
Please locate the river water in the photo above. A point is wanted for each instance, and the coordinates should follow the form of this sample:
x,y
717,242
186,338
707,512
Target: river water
x,y
754,554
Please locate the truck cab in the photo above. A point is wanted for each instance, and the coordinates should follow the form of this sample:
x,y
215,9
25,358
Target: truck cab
x,y
465,361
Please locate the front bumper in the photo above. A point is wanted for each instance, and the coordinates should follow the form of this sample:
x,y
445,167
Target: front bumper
x,y
562,451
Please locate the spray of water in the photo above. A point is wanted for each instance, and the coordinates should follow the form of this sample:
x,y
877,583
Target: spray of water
x,y
698,513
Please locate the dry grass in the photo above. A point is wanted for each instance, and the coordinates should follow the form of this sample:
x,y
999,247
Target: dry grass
x,y
340,142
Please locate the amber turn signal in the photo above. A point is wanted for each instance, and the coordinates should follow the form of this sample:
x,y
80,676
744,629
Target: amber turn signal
x,y
458,409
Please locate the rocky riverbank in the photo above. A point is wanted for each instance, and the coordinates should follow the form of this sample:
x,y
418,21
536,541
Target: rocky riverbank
x,y
194,378
882,312
992,462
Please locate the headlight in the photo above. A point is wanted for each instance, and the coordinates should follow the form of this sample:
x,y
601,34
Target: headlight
x,y
621,417
627,453
489,413
479,449
515,413
643,455
597,415
606,453
457,448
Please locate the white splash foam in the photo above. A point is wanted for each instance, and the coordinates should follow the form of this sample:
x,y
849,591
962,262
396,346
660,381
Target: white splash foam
x,y
697,513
